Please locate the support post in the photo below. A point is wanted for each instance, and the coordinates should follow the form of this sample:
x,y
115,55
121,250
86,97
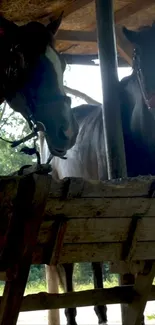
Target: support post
x,y
113,135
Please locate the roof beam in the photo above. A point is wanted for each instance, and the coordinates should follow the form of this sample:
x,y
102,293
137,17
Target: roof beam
x,y
76,36
131,9
88,59
123,45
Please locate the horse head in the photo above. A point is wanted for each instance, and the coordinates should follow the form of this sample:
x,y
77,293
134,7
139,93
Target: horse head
x,y
31,81
143,41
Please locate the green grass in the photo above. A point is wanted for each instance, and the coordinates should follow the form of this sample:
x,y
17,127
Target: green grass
x,y
36,287
150,317
41,286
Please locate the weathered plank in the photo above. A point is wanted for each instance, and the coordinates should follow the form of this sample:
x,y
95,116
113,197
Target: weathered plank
x,y
28,211
43,300
117,188
98,230
101,207
116,295
142,288
95,252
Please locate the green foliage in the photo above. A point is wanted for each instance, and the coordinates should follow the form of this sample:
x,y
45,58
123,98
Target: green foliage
x,y
12,127
37,274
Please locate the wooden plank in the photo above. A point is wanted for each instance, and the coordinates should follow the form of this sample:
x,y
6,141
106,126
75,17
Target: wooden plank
x,y
84,59
28,212
72,187
100,208
93,230
76,36
131,9
95,252
142,288
44,300
8,191
124,47
116,295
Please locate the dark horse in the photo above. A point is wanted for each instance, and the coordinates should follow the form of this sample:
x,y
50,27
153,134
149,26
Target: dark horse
x,y
87,158
31,81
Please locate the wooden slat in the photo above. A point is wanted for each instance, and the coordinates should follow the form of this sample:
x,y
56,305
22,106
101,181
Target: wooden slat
x,y
73,187
96,252
96,207
93,230
44,300
76,36
132,8
116,295
123,45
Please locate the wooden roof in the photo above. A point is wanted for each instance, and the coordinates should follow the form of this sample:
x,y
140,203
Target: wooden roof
x,y
78,29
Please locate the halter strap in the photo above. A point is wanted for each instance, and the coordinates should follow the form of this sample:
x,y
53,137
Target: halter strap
x,y
137,69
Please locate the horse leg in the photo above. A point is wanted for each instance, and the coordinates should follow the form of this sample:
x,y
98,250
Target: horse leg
x,y
101,311
53,287
69,312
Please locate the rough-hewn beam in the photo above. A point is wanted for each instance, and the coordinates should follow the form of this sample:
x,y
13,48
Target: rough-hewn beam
x,y
44,300
76,36
131,9
84,59
116,295
123,46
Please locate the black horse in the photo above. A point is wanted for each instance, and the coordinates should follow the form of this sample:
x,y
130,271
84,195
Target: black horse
x,y
31,81
87,158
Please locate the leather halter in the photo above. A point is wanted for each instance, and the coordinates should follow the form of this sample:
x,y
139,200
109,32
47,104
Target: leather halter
x,y
137,69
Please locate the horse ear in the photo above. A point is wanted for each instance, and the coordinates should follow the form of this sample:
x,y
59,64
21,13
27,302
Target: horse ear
x,y
7,26
132,36
54,24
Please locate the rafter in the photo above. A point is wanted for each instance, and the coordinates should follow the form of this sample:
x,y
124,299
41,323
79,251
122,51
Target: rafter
x,y
123,46
131,9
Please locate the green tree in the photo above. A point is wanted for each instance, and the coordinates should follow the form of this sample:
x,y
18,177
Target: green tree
x,y
12,127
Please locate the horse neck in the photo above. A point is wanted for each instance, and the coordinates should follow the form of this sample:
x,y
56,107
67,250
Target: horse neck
x,y
141,121
87,158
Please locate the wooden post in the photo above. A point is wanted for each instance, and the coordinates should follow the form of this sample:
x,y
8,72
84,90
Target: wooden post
x,y
113,135
28,211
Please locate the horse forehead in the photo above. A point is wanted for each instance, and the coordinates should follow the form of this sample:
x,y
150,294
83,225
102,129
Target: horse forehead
x,y
56,63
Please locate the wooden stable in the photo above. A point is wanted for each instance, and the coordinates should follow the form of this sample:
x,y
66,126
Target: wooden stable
x,y
75,220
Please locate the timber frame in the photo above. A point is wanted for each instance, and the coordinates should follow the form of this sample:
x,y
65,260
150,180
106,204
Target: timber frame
x,y
77,38
104,218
